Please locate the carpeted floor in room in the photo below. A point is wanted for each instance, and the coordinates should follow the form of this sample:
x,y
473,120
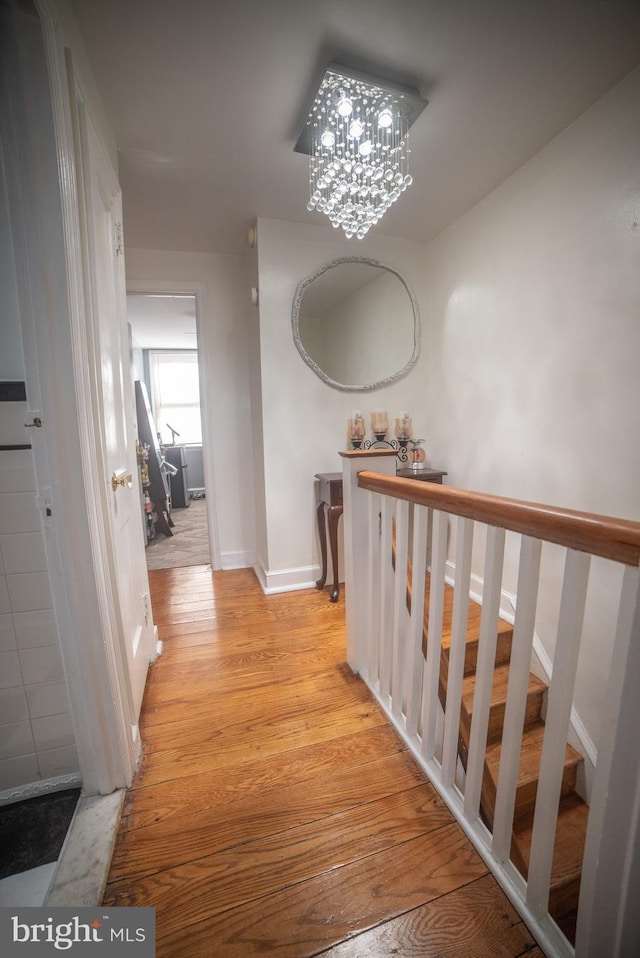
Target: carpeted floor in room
x,y
189,544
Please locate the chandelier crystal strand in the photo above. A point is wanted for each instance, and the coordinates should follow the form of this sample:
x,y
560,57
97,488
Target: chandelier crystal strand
x,y
359,158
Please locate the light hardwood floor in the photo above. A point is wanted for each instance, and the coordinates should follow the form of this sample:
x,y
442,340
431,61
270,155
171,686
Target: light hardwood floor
x,y
275,811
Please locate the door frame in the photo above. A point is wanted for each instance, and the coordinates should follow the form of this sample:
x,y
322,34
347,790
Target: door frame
x,y
208,438
48,240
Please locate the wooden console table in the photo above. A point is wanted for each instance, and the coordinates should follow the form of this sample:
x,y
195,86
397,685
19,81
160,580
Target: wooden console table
x,y
330,509
329,502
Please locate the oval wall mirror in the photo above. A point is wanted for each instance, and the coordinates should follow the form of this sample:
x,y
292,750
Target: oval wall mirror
x,y
356,324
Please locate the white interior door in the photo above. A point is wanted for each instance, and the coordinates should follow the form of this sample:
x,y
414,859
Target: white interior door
x,y
114,406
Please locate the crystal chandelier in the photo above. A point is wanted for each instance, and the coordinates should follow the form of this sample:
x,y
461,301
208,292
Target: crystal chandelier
x,y
356,137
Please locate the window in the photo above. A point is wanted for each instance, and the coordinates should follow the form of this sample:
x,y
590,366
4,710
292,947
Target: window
x,y
175,394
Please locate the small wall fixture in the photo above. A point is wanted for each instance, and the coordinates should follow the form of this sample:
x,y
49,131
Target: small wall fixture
x,y
356,137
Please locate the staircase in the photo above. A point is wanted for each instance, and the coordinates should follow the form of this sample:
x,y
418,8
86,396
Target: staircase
x,y
517,802
572,820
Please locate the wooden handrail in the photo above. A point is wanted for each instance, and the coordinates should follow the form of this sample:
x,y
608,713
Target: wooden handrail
x,y
617,539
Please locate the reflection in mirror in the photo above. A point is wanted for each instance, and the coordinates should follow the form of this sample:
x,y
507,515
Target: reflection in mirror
x,y
356,324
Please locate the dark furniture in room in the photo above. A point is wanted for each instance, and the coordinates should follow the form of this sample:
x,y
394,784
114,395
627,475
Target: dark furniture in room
x,y
329,510
176,456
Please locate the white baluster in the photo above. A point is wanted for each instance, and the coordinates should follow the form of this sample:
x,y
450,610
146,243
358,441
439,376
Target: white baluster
x,y
399,607
386,596
528,576
457,649
415,659
430,700
494,560
565,663
371,598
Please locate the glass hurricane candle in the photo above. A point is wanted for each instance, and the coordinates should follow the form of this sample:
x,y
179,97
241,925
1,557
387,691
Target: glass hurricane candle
x,y
379,423
403,426
356,430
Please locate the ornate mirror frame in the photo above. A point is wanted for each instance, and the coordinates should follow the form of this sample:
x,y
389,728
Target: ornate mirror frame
x,y
295,322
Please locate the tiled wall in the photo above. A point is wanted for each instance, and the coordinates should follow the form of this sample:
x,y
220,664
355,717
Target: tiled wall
x,y
36,735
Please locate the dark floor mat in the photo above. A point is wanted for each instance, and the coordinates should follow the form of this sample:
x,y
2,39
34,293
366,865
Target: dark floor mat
x,y
32,832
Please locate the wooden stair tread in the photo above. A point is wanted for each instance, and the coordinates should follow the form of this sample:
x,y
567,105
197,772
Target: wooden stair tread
x,y
570,838
474,615
534,700
473,626
530,755
503,645
498,688
505,631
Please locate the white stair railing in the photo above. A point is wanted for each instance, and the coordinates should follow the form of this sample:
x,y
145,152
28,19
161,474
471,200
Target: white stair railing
x,y
391,527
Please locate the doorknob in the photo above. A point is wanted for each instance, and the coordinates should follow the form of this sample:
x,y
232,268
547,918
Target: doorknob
x,y
121,479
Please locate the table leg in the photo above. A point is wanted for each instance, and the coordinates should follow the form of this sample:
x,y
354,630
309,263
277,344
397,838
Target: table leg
x,y
334,514
322,535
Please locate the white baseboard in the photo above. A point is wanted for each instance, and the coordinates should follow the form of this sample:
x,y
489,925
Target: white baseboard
x,y
285,580
237,560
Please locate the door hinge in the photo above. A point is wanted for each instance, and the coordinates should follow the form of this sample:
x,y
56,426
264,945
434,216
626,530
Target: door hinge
x,y
146,598
118,239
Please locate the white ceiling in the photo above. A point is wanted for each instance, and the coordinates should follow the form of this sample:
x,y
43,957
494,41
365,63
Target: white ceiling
x,y
162,321
207,99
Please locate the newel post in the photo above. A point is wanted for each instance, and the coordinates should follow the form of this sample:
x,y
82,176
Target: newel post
x,y
357,585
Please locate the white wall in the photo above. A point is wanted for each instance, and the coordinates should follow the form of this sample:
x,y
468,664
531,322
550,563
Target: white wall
x,y
526,385
224,361
64,15
533,388
37,740
304,421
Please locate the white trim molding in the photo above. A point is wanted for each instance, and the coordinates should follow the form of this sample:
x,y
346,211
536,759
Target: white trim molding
x,y
237,560
198,290
285,580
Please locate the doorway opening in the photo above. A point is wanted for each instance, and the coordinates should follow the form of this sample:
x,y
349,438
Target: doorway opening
x,y
165,370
